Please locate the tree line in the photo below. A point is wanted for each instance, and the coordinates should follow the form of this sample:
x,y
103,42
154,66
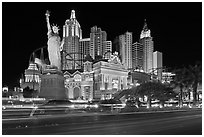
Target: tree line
x,y
186,78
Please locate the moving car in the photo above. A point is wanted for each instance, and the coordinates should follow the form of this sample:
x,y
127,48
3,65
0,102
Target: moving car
x,y
92,105
7,104
12,104
111,104
54,107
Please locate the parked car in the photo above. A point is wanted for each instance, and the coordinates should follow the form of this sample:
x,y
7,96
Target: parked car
x,y
54,107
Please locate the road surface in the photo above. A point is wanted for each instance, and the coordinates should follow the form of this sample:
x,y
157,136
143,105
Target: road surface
x,y
165,123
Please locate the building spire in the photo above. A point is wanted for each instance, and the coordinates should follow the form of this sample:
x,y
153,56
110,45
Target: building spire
x,y
145,28
145,31
73,15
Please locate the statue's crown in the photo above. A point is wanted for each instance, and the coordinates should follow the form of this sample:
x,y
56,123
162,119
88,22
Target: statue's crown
x,y
55,27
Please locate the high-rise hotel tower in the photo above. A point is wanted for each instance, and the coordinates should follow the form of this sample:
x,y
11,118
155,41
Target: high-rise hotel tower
x,y
97,42
72,33
125,44
137,55
108,49
84,45
157,64
148,47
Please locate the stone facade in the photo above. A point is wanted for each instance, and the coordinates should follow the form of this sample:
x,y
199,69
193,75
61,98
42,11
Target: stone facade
x,y
79,85
32,78
110,77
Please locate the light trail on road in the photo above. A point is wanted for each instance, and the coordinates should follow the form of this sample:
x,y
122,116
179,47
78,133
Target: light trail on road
x,y
147,123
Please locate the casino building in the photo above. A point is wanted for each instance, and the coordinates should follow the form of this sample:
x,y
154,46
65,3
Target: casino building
x,y
110,77
91,79
97,81
84,78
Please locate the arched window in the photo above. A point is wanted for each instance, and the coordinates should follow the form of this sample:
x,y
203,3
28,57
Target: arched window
x,y
77,77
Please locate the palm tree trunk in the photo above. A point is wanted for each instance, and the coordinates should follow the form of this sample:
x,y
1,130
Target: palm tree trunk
x,y
181,98
189,97
148,102
162,103
137,102
198,97
195,85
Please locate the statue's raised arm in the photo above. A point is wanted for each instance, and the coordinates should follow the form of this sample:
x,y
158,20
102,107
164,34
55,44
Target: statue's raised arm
x,y
47,14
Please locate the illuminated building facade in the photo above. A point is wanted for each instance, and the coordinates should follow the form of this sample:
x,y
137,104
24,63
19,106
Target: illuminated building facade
x,y
108,50
125,42
79,85
148,47
110,77
137,55
72,33
167,77
4,89
157,64
97,42
32,77
137,77
84,45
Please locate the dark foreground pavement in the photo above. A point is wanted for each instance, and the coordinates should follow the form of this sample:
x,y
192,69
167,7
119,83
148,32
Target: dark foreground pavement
x,y
160,123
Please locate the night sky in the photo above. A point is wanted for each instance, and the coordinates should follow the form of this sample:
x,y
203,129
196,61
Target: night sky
x,y
176,29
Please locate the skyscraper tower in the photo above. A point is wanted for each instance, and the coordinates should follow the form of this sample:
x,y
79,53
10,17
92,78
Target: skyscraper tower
x,y
137,55
84,45
97,42
108,49
125,42
148,47
71,34
157,64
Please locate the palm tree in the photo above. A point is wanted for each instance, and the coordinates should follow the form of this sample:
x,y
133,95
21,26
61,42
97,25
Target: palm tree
x,y
163,93
188,90
195,77
131,94
180,80
134,93
152,90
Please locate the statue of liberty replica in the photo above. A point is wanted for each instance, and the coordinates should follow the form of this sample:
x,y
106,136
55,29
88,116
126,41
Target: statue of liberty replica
x,y
52,79
54,44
